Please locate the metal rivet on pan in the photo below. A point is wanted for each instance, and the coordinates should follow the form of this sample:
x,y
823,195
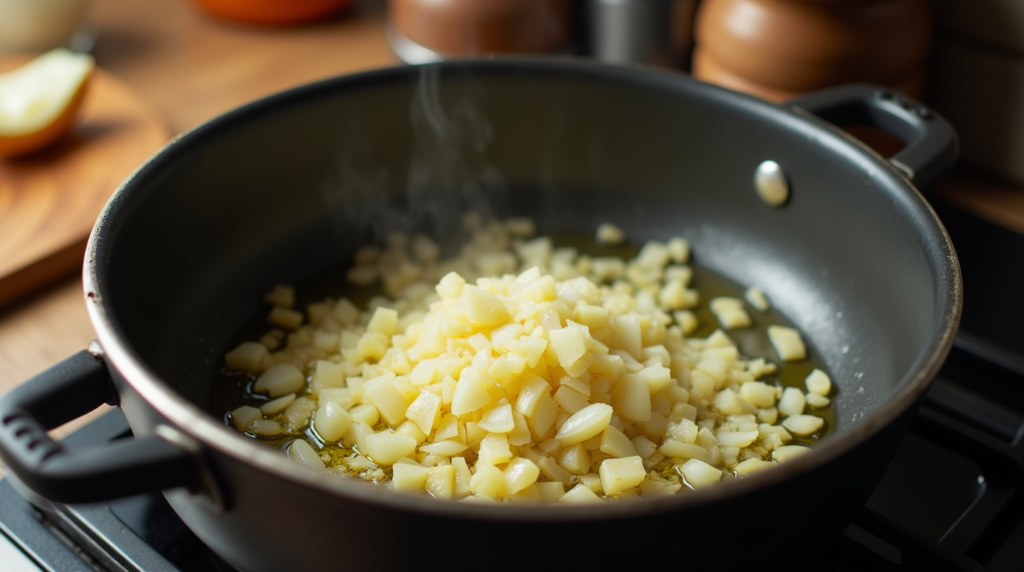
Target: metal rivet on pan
x,y
771,185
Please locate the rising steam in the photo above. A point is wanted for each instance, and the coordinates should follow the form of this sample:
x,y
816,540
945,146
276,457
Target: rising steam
x,y
448,170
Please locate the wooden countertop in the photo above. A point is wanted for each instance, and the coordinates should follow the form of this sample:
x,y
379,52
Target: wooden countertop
x,y
191,67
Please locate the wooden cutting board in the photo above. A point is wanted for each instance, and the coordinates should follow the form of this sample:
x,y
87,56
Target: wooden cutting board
x,y
50,200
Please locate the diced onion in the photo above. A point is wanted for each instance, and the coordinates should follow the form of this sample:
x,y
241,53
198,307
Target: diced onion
x,y
523,372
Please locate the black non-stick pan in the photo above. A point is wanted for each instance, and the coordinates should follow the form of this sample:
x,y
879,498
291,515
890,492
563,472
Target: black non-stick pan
x,y
286,188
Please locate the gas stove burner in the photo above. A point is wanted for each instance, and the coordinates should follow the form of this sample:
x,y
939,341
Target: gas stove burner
x,y
137,534
951,500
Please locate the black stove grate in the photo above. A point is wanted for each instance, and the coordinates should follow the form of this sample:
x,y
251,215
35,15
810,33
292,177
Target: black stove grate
x,y
951,500
136,534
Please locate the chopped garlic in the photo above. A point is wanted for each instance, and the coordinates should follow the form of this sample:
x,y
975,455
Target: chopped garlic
x,y
757,299
622,474
580,494
303,452
584,424
243,417
284,317
751,465
818,382
788,343
387,447
278,405
792,401
699,474
279,380
409,476
679,250
608,233
265,428
331,421
816,401
521,227
248,356
280,295
803,424
730,312
785,453
687,320
551,377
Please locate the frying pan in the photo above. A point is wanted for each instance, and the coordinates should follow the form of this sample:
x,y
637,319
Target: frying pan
x,y
284,188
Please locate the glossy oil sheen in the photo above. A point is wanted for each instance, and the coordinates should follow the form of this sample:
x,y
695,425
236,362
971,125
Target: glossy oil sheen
x,y
233,389
856,260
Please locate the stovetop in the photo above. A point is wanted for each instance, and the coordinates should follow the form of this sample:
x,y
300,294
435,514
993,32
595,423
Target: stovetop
x,y
951,500
137,534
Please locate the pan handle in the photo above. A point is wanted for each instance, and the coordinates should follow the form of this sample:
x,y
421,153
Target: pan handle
x,y
120,468
931,142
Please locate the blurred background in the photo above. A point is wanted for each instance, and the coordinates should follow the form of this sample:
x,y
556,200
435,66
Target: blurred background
x,y
165,66
964,58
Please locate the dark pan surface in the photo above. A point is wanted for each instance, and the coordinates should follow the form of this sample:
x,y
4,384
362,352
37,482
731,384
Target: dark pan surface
x,y
280,192
284,189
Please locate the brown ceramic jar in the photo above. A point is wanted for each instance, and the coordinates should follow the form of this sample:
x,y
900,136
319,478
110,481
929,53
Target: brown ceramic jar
x,y
468,27
778,49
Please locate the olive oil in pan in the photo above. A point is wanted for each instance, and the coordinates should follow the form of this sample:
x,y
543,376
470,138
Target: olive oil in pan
x,y
233,389
752,341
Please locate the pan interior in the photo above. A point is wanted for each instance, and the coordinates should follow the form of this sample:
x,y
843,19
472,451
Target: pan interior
x,y
280,191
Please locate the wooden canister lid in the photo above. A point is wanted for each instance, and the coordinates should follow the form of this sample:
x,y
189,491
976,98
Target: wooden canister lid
x,y
789,47
466,27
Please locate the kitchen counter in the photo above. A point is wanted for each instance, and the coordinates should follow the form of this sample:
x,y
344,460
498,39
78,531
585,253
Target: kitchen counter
x,y
190,67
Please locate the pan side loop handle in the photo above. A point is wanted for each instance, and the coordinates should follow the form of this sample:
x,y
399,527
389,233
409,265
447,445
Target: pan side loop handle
x,y
116,469
931,142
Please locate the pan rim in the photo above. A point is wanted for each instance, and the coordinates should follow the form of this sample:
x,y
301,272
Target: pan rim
x,y
211,432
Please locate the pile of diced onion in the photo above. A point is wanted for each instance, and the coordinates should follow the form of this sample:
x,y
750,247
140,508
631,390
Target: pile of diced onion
x,y
524,372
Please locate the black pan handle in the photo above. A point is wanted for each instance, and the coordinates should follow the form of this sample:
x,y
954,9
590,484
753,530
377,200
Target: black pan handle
x,y
931,142
120,468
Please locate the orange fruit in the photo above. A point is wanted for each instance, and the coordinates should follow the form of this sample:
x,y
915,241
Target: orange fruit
x,y
281,12
39,100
